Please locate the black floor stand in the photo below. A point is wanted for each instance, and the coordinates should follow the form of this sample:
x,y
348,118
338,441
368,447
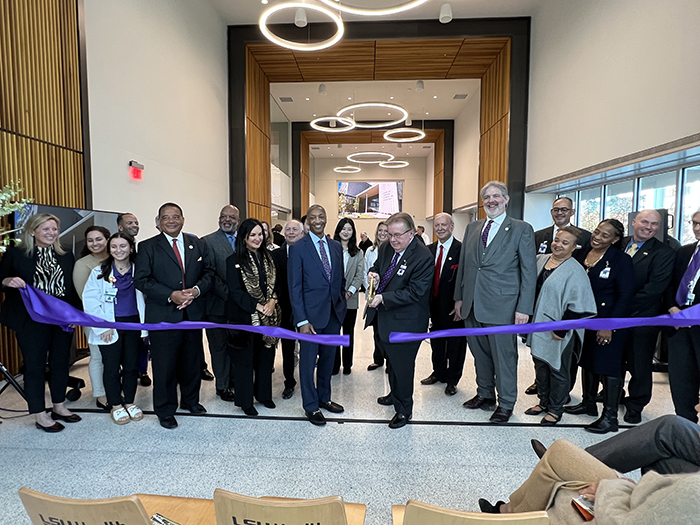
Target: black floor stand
x,y
10,381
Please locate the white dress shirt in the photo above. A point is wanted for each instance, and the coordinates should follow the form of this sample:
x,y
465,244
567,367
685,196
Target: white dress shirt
x,y
495,226
445,249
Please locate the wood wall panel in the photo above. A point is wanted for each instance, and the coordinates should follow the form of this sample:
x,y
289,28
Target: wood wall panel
x,y
407,59
257,136
493,153
262,213
304,173
475,56
259,171
258,99
439,175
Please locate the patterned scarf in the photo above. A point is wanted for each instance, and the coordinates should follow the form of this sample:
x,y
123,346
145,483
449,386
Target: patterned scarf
x,y
251,280
48,275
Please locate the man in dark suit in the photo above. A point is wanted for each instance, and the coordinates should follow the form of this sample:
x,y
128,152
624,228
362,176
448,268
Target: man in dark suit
x,y
221,246
317,292
496,286
448,352
404,272
174,270
293,231
562,211
653,267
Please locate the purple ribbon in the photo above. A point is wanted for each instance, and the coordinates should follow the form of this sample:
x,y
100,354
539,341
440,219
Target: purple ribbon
x,y
44,308
688,317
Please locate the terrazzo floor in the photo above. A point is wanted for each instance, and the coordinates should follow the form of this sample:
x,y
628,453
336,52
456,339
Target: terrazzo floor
x,y
447,456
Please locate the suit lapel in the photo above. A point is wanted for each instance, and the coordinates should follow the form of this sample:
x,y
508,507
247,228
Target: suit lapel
x,y
224,245
406,254
452,257
311,246
168,249
503,231
476,239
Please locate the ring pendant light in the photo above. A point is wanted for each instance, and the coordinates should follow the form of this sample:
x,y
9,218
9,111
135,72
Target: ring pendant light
x,y
417,135
385,105
393,164
347,169
361,155
299,46
348,124
372,12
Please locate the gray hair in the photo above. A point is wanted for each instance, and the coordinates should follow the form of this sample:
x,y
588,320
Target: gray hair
x,y
442,213
494,184
402,217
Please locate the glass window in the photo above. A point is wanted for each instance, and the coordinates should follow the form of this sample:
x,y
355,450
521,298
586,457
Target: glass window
x,y
659,191
589,209
619,201
691,201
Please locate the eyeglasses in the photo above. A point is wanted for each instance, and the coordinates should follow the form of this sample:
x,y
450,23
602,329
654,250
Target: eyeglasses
x,y
557,210
397,235
694,223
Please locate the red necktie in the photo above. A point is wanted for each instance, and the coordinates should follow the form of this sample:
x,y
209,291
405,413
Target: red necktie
x,y
179,261
436,278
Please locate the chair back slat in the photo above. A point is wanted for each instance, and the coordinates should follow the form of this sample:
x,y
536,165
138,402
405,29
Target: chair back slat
x,y
419,513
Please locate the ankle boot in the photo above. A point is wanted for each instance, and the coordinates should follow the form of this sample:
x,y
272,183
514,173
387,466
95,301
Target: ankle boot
x,y
611,403
589,382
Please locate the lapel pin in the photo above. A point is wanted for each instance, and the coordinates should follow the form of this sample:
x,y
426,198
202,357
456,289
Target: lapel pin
x,y
191,247
507,228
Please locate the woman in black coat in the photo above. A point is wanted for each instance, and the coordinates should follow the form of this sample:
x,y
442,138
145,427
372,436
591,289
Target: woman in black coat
x,y
40,261
612,280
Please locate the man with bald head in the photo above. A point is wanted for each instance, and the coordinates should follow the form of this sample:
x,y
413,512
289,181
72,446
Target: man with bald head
x,y
222,245
653,267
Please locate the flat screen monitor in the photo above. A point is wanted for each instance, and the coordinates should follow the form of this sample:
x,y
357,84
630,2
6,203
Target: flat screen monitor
x,y
369,200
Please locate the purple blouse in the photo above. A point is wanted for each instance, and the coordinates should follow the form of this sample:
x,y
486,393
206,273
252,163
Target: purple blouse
x,y
125,305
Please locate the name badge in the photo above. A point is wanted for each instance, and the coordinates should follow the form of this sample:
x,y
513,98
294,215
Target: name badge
x,y
605,274
543,247
691,295
110,294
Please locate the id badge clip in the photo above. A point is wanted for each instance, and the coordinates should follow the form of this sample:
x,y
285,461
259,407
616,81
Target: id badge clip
x,y
605,273
543,247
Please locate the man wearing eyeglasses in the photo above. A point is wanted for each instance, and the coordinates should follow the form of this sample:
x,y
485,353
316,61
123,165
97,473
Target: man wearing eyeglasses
x,y
562,211
403,274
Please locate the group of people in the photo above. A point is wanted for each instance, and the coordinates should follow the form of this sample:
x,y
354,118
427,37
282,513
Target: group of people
x,y
246,273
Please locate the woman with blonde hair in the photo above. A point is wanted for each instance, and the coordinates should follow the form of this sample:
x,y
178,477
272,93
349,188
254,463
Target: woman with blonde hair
x,y
40,261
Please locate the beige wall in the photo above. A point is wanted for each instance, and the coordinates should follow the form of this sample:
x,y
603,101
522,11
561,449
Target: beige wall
x,y
466,176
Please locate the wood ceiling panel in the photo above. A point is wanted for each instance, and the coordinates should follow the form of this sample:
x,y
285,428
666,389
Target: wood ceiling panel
x,y
475,57
316,137
278,62
411,59
362,136
345,61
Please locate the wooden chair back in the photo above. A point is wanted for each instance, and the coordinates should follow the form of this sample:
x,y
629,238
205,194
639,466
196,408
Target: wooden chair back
x,y
419,513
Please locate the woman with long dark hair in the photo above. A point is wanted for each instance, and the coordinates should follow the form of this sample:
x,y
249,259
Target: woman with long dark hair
x,y
110,295
612,280
381,235
354,264
252,300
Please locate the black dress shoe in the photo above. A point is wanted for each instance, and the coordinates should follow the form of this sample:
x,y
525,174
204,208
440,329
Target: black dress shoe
x,y
196,410
287,393
373,366
56,427
486,507
632,416
347,371
73,418
168,422
501,416
480,402
430,380
386,401
206,375
144,380
316,417
531,390
250,411
332,407
450,390
269,404
538,447
399,420
582,408
105,407
335,372
226,394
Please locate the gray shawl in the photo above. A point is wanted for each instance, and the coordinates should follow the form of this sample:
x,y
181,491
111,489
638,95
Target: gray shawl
x,y
567,288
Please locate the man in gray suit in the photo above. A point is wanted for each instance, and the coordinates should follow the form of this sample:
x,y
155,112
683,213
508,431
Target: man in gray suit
x,y
222,244
496,286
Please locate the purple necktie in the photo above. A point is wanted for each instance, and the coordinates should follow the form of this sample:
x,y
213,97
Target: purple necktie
x,y
387,275
485,234
688,276
324,258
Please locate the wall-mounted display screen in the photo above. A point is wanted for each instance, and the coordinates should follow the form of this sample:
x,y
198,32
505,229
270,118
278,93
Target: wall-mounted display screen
x,y
369,200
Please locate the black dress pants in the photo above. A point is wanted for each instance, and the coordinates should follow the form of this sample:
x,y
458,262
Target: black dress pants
x,y
252,367
218,350
553,385
684,371
120,360
639,361
401,367
377,356
288,357
175,358
448,355
347,351
36,341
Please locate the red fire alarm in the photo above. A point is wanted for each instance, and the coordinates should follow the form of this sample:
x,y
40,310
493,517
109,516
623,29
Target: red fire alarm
x,y
135,170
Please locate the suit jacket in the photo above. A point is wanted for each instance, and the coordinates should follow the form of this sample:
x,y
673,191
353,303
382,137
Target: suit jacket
x,y
653,269
355,276
406,297
613,294
15,263
311,293
158,275
240,304
500,279
443,303
683,256
280,258
546,235
220,249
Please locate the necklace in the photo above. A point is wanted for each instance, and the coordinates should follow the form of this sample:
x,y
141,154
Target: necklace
x,y
588,265
551,264
122,270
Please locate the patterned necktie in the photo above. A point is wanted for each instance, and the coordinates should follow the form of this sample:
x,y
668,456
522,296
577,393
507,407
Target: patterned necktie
x,y
688,276
438,268
632,249
485,233
324,258
387,275
179,261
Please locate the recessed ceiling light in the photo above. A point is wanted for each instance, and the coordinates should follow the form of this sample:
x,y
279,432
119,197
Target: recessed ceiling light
x,y
314,114
349,98
331,154
307,98
392,98
263,2
434,96
427,113
329,147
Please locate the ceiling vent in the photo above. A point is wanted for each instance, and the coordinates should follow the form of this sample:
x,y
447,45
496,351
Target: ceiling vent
x,y
427,147
459,96
290,99
315,147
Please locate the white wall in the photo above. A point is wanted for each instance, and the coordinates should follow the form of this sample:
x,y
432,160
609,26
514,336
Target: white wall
x,y
429,184
610,78
413,189
465,185
157,82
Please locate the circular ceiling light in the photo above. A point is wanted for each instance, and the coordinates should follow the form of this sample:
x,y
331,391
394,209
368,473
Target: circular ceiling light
x,y
333,121
393,164
385,105
370,157
298,46
413,135
347,169
373,12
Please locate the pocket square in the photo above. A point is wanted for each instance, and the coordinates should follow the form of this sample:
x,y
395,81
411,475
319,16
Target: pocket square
x,y
454,266
199,259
